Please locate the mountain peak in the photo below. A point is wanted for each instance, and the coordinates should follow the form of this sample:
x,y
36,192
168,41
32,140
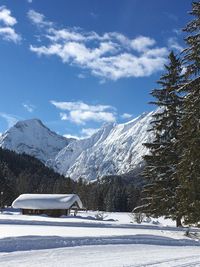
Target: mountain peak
x,y
114,149
32,137
30,123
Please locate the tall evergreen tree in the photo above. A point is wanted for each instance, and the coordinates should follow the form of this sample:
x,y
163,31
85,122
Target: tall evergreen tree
x,y
159,196
188,170
192,52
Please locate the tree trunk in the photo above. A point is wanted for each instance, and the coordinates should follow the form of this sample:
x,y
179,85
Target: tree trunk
x,y
178,222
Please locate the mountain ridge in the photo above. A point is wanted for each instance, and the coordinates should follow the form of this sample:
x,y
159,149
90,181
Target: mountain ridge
x,y
32,137
115,149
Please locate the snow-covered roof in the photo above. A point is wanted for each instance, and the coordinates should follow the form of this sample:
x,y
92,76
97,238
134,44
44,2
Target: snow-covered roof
x,y
46,201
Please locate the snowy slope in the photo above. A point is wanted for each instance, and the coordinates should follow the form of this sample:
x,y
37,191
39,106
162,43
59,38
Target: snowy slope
x,y
84,241
131,255
33,138
114,149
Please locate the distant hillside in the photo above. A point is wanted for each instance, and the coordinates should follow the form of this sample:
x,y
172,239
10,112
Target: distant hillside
x,y
20,173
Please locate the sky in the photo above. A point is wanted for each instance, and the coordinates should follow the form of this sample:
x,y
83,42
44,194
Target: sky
x,y
78,64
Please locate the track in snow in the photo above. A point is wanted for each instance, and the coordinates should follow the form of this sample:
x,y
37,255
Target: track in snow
x,y
104,256
189,261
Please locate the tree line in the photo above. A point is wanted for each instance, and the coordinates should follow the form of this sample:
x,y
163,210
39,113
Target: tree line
x,y
172,166
20,173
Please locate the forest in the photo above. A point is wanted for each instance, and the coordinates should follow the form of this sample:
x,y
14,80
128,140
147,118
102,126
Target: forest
x,y
20,173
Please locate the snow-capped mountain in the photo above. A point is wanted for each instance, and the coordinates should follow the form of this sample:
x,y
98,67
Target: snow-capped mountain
x,y
33,138
114,149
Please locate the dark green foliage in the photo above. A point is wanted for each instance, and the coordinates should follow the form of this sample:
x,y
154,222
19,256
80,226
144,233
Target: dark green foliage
x,y
160,193
173,165
7,183
21,174
192,52
188,170
111,193
24,174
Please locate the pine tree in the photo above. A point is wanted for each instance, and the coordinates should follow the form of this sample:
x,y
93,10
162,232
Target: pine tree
x,y
188,171
192,52
159,196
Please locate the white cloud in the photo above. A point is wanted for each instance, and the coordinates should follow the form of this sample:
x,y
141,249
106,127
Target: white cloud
x,y
87,132
80,112
29,107
10,119
6,18
84,133
126,116
80,117
71,136
64,35
30,1
7,21
9,34
81,76
63,116
142,43
79,105
38,18
173,44
111,55
126,65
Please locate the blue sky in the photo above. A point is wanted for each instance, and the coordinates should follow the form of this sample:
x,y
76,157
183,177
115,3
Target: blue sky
x,y
78,64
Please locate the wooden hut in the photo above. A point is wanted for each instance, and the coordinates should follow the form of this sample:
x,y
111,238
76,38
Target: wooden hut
x,y
50,204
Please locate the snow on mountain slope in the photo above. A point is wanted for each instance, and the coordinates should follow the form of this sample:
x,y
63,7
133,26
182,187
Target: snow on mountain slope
x,y
33,138
114,149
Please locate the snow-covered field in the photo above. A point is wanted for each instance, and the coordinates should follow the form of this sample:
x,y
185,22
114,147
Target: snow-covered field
x,y
85,241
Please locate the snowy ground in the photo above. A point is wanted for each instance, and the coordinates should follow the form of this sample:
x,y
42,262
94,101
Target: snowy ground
x,y
84,241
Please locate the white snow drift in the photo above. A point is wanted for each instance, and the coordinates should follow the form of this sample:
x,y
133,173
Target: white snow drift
x,y
84,241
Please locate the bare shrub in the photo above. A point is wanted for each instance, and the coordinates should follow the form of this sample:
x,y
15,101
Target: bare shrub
x,y
100,215
138,217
